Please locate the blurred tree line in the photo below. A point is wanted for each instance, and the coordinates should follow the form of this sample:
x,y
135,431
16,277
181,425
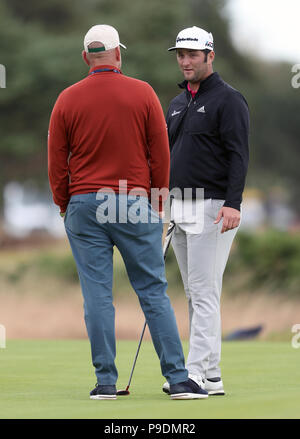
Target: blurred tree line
x,y
40,46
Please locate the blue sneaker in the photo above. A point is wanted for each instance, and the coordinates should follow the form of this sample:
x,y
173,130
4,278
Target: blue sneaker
x,y
103,392
187,390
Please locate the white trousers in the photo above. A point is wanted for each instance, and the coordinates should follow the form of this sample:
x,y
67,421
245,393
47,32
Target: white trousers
x,y
202,260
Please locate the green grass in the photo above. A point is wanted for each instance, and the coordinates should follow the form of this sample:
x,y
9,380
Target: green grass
x,y
52,379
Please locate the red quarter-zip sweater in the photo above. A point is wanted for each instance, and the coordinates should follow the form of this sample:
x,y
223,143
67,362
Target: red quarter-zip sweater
x,y
105,128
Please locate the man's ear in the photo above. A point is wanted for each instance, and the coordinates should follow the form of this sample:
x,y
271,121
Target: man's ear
x,y
85,58
118,53
211,57
118,57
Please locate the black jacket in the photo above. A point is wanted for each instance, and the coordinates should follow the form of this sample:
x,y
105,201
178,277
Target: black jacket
x,y
209,140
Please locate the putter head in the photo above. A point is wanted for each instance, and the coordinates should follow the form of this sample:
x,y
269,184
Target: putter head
x,y
123,392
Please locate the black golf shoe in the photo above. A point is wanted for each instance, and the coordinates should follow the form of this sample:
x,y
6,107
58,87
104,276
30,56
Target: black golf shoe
x,y
187,390
103,392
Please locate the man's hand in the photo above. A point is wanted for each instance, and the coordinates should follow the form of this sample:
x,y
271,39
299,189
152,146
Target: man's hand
x,y
231,218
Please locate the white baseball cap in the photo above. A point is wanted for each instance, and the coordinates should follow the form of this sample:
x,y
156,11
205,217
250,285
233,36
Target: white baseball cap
x,y
194,38
102,33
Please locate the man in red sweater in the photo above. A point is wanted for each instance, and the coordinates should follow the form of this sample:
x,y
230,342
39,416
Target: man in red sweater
x,y
107,148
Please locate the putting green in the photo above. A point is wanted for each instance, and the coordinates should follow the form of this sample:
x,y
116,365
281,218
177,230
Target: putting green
x,y
52,379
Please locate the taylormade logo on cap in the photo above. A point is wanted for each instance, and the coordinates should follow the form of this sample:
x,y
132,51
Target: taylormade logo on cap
x,y
194,38
102,33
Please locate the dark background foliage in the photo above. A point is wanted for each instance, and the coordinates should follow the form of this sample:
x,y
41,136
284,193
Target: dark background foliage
x,y
40,46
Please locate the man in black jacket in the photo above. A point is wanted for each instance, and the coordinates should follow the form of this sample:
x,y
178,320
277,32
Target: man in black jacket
x,y
208,125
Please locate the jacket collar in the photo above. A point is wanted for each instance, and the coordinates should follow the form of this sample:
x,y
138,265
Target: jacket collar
x,y
208,83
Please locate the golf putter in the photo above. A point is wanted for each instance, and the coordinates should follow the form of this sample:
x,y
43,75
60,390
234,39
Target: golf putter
x,y
165,250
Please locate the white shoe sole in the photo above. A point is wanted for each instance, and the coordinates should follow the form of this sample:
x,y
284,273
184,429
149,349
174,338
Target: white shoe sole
x,y
103,397
216,392
188,396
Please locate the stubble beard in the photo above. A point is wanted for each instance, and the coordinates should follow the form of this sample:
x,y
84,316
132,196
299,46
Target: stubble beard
x,y
197,77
